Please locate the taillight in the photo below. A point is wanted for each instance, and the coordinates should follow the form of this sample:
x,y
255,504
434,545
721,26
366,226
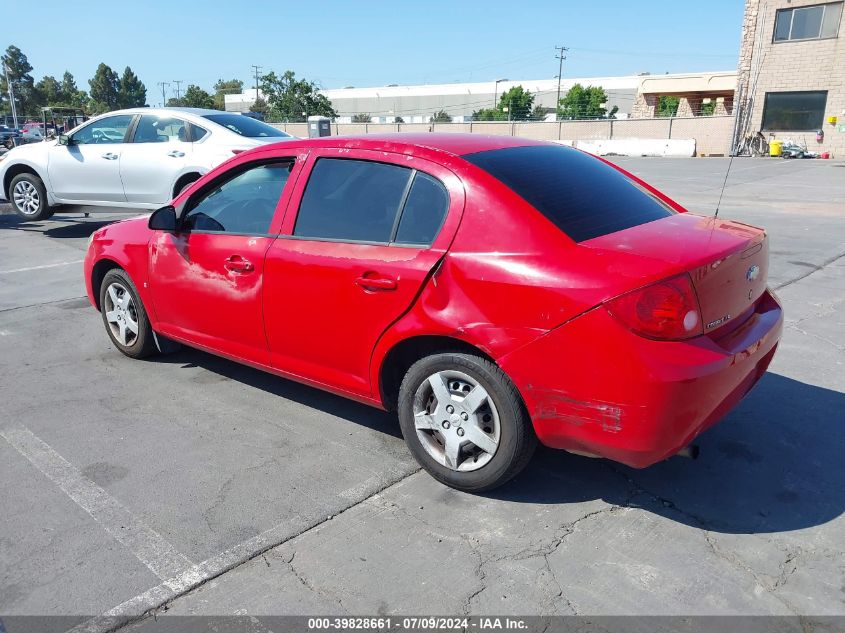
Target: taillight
x,y
666,310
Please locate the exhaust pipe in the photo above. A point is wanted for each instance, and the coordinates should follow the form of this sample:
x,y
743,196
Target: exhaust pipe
x,y
690,451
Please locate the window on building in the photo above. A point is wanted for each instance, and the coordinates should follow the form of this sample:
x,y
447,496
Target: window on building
x,y
808,23
794,111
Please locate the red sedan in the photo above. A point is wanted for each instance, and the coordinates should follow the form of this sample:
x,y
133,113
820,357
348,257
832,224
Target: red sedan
x,y
494,291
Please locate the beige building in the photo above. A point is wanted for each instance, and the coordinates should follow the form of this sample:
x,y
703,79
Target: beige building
x,y
791,75
698,94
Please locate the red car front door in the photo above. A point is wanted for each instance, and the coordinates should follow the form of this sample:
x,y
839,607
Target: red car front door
x,y
369,229
207,278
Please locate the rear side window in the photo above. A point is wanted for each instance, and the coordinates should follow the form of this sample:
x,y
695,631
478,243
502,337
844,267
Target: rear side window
x,y
581,195
246,126
424,212
363,201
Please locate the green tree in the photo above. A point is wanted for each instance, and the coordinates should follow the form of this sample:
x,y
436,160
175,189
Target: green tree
x,y
292,99
104,89
225,87
361,117
707,109
196,97
398,119
50,91
441,116
667,105
71,95
518,102
514,105
539,113
489,114
18,68
260,106
583,103
131,92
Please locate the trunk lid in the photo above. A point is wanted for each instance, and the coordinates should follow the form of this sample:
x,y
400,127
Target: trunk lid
x,y
727,261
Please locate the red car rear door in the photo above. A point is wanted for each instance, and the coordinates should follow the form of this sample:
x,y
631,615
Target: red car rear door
x,y
363,233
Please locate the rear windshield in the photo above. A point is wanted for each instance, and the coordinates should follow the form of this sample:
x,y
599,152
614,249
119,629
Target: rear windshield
x,y
583,196
246,126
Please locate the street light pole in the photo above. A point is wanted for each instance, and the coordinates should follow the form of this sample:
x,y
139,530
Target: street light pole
x,y
561,57
496,90
164,85
12,96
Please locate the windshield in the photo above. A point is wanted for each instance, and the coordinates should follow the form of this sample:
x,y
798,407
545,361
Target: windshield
x,y
583,196
246,126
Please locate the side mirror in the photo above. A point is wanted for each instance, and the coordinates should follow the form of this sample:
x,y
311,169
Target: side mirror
x,y
64,139
163,219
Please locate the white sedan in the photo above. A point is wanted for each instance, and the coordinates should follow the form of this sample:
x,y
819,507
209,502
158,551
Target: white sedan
x,y
138,159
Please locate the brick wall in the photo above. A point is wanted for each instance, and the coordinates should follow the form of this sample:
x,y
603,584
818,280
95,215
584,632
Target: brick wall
x,y
711,133
791,66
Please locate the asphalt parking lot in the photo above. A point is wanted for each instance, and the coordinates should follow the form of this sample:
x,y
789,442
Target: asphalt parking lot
x,y
194,485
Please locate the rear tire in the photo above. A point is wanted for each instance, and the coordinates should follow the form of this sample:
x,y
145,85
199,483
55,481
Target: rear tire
x,y
464,421
124,316
28,196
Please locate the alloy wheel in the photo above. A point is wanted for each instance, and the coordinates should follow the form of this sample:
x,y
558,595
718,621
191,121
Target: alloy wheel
x,y
26,197
456,420
121,314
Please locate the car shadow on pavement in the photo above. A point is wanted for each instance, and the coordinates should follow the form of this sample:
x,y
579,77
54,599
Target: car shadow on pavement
x,y
774,464
71,228
337,406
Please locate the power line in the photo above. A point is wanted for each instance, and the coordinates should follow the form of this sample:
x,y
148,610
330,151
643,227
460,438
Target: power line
x,y
178,82
163,85
257,69
560,56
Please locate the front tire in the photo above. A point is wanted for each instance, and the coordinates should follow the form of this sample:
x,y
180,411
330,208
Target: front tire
x,y
124,316
464,421
29,197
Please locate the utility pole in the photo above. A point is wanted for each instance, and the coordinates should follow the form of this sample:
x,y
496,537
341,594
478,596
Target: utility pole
x,y
560,56
11,96
163,85
257,69
178,82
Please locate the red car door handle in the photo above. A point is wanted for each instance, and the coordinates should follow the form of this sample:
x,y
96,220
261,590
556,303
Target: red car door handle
x,y
376,283
238,264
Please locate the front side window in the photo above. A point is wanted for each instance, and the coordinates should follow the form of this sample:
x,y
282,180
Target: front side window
x,y
111,129
160,129
794,111
244,204
808,23
364,201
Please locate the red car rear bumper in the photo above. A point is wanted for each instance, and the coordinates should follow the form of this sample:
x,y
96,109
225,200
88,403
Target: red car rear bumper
x,y
593,386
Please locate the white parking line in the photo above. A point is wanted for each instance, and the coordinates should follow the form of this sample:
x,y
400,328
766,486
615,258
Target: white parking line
x,y
217,565
23,270
146,544
193,577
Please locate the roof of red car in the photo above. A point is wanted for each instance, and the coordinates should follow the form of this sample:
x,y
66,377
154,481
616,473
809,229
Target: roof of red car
x,y
457,144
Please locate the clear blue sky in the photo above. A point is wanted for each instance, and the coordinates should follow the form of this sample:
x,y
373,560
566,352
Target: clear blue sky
x,y
375,43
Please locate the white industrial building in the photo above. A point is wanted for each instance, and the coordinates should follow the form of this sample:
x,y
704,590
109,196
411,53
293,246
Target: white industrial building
x,y
415,104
